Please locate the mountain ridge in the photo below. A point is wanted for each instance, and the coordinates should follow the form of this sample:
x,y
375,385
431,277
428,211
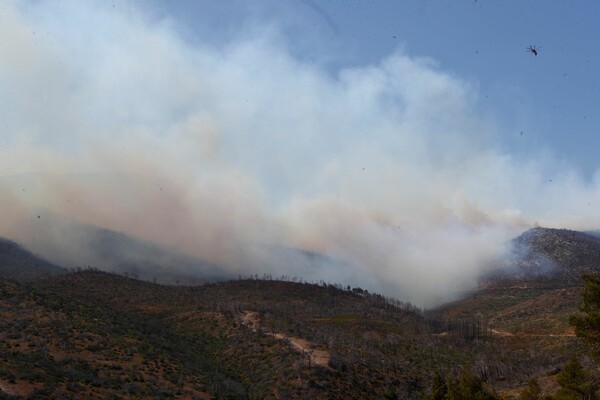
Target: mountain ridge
x,y
90,333
22,265
546,256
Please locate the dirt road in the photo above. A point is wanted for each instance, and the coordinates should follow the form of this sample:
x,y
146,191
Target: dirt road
x,y
317,357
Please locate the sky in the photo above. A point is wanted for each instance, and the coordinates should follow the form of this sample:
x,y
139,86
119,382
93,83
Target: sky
x,y
553,99
411,140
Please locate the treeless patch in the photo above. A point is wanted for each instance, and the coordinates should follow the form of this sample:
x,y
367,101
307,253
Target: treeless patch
x,y
317,357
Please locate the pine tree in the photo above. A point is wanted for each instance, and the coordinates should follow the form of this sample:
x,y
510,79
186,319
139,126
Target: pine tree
x,y
587,324
575,382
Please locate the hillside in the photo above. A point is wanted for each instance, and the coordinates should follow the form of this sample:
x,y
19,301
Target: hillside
x,y
527,301
537,287
556,257
92,334
72,243
21,265
139,335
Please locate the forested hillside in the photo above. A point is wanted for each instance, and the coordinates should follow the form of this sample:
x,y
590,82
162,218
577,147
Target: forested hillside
x,y
92,334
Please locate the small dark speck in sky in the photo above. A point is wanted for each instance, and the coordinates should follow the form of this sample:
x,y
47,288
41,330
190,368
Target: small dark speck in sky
x,y
39,217
321,12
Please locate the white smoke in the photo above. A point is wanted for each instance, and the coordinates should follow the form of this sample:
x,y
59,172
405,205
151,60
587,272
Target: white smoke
x,y
388,167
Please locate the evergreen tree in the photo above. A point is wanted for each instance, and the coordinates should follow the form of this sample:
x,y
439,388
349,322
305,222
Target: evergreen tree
x,y
575,382
587,324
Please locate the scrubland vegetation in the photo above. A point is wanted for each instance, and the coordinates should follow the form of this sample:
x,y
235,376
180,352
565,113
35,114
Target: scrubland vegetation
x,y
91,334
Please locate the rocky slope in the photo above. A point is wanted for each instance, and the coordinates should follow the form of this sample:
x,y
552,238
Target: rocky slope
x,y
550,257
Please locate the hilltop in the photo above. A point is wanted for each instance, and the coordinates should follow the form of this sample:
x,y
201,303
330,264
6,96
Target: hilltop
x,y
547,256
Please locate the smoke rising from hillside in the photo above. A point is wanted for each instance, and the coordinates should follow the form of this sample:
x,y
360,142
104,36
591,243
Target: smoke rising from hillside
x,y
110,118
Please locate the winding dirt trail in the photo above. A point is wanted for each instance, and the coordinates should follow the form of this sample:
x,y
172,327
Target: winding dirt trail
x,y
303,346
501,333
507,334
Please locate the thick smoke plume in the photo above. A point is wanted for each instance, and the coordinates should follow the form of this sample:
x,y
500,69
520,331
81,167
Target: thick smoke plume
x,y
110,118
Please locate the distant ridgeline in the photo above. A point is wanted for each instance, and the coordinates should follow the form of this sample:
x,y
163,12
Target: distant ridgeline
x,y
19,264
547,257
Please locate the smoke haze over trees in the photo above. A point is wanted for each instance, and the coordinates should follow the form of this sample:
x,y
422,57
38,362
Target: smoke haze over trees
x,y
111,118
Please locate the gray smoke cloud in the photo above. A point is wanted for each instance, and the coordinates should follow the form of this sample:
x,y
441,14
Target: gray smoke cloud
x,y
110,118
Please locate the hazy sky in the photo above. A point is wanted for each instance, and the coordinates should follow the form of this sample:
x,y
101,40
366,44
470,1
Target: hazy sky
x,y
410,139
553,99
